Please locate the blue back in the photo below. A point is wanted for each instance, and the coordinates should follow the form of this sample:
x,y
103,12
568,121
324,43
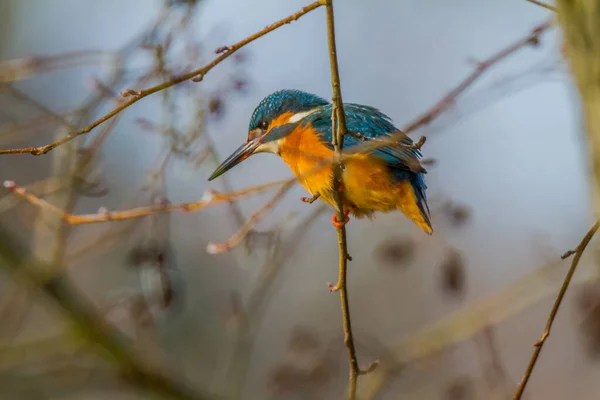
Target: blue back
x,y
369,122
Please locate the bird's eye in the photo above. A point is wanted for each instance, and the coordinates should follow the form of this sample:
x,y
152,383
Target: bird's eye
x,y
263,125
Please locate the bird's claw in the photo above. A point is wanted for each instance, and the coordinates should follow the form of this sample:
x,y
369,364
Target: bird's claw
x,y
339,224
310,200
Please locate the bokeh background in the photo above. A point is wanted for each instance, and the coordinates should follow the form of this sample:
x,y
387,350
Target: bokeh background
x,y
455,314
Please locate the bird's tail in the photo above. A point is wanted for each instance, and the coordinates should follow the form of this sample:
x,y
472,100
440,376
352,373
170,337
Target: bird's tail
x,y
413,202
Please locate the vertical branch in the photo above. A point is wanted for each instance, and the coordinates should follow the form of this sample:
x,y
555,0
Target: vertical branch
x,y
338,118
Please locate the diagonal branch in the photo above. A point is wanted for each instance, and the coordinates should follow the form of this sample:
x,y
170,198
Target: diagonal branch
x,y
532,39
209,199
214,248
543,5
561,294
196,75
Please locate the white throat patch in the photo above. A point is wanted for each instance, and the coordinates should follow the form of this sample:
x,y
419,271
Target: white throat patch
x,y
268,147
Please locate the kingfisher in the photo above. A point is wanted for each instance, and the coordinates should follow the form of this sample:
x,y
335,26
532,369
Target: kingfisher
x,y
297,126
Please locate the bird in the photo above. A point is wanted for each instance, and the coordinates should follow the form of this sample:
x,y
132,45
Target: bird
x,y
297,126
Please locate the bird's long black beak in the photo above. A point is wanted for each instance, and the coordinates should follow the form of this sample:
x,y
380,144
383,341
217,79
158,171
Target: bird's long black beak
x,y
243,152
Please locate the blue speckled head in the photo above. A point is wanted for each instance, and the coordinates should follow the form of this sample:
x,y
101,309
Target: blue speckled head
x,y
262,137
282,101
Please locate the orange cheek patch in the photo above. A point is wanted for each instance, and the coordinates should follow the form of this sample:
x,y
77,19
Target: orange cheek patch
x,y
281,120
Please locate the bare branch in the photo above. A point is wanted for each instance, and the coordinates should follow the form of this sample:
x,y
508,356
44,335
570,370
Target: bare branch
x,y
472,319
24,68
209,199
532,39
561,294
214,248
543,5
135,96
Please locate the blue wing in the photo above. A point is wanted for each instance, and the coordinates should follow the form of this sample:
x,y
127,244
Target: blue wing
x,y
370,123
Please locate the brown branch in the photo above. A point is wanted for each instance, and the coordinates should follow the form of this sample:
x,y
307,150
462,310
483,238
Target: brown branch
x,y
135,96
42,188
214,248
561,294
531,39
543,5
338,116
209,199
567,254
468,321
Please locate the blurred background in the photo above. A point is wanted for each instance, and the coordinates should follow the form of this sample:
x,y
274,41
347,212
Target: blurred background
x,y
452,316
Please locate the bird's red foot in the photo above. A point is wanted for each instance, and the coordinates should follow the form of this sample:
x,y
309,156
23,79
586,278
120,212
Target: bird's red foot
x,y
339,224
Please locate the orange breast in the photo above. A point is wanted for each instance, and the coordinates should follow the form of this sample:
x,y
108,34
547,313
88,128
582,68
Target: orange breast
x,y
368,183
302,151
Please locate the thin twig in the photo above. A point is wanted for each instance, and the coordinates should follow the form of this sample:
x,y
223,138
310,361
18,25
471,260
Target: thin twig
x,y
567,254
214,248
209,199
24,68
338,116
42,188
472,319
543,5
561,294
135,96
532,39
